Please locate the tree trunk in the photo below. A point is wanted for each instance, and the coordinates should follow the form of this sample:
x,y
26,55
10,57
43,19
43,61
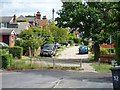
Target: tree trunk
x,y
96,51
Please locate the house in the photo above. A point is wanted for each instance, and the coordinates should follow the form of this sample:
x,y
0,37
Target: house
x,y
7,36
35,20
9,28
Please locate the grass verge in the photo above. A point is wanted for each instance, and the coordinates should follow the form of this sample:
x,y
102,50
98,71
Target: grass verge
x,y
103,67
23,65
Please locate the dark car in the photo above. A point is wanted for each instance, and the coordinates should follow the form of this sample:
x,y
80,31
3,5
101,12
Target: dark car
x,y
64,43
83,49
49,50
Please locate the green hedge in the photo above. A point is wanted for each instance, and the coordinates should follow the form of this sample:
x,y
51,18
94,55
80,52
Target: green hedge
x,y
5,60
2,51
16,51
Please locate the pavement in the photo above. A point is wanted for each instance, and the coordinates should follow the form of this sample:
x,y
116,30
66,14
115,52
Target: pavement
x,y
56,79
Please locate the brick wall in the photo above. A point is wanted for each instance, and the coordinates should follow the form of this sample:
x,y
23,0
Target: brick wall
x,y
11,43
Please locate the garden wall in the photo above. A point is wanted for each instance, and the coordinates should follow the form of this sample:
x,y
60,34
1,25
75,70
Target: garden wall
x,y
107,58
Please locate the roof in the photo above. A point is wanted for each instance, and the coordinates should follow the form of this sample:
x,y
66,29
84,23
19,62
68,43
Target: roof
x,y
7,31
107,45
30,19
21,26
22,17
41,22
5,18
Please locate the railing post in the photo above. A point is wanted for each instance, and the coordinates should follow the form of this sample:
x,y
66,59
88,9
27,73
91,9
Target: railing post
x,y
31,62
80,63
99,63
53,63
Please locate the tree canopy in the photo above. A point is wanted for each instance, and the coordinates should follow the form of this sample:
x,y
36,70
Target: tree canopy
x,y
93,19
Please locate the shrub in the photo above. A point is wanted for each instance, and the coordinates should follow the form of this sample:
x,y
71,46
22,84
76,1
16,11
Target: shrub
x,y
71,42
21,20
117,46
16,51
103,51
5,61
18,42
77,40
91,48
2,52
111,50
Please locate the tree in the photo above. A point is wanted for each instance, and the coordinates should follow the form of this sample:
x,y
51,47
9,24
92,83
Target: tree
x,y
88,18
35,38
59,34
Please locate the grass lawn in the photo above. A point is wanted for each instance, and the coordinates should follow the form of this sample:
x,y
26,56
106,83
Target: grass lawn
x,y
103,67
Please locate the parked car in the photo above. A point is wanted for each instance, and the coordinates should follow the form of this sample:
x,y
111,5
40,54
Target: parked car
x,y
3,44
64,43
83,49
49,50
58,45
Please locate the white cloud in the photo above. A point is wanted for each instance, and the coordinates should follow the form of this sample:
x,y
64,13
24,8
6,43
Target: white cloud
x,y
29,7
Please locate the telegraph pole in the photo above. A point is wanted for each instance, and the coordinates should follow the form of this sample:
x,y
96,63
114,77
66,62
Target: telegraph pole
x,y
53,14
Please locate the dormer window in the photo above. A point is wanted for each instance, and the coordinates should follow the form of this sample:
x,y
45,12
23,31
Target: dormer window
x,y
3,25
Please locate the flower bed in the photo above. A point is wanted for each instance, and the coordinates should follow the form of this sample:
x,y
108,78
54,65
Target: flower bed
x,y
106,58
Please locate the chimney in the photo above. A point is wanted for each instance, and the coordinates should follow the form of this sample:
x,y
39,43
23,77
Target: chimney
x,y
38,15
14,18
44,17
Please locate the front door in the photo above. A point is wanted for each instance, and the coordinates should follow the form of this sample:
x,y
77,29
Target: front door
x,y
6,39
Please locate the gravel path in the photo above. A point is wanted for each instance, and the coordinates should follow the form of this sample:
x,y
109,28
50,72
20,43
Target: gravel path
x,y
72,53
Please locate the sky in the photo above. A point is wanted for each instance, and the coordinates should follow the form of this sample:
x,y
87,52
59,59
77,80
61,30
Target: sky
x,y
29,7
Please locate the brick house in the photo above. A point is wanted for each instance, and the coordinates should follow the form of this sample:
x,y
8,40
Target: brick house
x,y
7,36
35,20
10,28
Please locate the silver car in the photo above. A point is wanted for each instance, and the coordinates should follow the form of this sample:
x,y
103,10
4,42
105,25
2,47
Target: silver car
x,y
3,44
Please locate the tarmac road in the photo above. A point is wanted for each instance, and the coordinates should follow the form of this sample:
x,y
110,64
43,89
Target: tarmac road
x,y
55,79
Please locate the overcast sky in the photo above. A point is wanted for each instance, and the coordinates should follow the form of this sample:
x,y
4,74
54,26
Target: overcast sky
x,y
29,7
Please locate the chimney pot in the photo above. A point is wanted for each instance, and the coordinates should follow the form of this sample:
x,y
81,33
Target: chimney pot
x,y
44,17
14,18
38,15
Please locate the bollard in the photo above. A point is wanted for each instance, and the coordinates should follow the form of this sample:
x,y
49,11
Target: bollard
x,y
99,63
80,63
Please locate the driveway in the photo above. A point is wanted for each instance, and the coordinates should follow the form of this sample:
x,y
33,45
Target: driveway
x,y
72,53
55,79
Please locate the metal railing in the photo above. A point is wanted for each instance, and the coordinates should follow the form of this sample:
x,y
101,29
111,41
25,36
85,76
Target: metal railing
x,y
53,62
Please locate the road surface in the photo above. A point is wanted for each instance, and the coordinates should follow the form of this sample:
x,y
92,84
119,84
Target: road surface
x,y
55,79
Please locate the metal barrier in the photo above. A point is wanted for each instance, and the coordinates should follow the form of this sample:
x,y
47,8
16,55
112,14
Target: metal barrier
x,y
53,63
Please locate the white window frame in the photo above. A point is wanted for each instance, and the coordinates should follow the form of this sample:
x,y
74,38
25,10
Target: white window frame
x,y
3,23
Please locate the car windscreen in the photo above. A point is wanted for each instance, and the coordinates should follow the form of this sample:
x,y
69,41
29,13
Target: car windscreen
x,y
48,47
83,47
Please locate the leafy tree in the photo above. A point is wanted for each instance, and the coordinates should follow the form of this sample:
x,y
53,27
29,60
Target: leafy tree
x,y
88,18
59,34
35,38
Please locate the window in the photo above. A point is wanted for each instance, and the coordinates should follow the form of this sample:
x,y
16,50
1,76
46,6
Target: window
x,y
3,25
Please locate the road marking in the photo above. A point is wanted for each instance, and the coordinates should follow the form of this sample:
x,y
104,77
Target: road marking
x,y
56,83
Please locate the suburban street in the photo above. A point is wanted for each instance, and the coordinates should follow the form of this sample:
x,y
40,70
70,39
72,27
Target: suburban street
x,y
88,78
